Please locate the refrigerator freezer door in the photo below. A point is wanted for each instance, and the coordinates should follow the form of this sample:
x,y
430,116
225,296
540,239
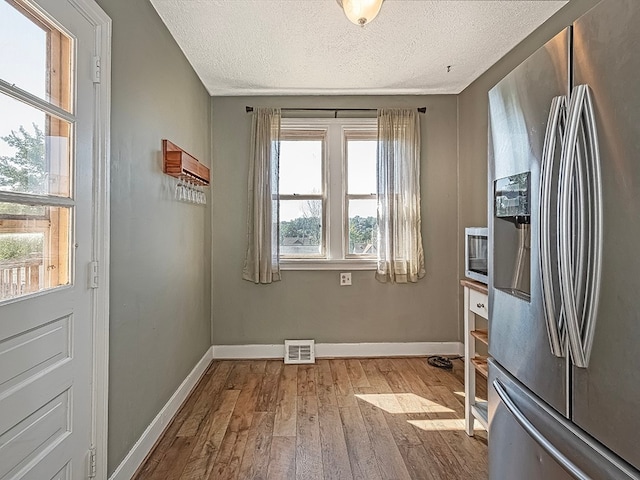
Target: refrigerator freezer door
x,y
518,111
606,394
530,441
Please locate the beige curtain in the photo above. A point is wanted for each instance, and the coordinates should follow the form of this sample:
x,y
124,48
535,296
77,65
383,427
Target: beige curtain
x,y
262,261
400,252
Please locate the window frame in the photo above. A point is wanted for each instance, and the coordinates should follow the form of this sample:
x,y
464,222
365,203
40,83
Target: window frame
x,y
335,207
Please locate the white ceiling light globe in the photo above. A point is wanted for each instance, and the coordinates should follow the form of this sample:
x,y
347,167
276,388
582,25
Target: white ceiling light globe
x,y
361,12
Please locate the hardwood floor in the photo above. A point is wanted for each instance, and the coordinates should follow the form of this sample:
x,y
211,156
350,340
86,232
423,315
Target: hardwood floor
x,y
355,419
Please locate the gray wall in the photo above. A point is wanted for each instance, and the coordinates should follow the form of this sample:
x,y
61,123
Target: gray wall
x,y
473,121
312,304
160,249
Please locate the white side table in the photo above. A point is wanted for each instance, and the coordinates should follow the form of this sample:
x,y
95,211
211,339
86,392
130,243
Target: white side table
x,y
475,304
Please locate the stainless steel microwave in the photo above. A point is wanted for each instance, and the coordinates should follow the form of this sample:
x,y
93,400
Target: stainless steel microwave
x,y
476,244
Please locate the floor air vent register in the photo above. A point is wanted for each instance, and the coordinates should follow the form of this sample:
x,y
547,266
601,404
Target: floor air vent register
x,y
299,351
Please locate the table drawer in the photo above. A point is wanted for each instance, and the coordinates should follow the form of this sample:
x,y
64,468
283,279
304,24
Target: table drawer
x,y
479,303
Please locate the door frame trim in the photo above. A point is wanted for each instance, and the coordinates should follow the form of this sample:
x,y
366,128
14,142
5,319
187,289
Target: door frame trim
x,y
101,231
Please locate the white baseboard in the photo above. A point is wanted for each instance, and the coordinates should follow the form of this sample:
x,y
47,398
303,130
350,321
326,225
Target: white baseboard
x,y
145,443
342,350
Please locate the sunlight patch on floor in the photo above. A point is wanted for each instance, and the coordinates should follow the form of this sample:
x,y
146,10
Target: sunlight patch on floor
x,y
462,395
403,403
443,425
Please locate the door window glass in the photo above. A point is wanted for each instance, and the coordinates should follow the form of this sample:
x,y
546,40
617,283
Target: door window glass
x,y
34,250
36,153
35,150
34,55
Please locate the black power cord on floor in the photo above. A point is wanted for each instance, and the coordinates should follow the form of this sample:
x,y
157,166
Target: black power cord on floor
x,y
441,362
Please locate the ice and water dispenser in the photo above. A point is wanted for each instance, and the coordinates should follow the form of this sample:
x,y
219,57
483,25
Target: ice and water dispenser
x,y
512,235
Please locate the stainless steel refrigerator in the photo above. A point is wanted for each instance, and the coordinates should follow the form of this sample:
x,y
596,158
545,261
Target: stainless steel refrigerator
x,y
564,230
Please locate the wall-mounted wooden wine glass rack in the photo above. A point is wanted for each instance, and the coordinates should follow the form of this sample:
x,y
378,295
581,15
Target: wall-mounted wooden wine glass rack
x,y
178,163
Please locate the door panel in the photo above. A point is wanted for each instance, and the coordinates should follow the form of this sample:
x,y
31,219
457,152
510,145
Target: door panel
x,y
605,401
30,354
519,107
45,319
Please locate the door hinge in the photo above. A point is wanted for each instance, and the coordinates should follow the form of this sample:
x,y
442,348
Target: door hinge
x,y
94,275
96,69
92,462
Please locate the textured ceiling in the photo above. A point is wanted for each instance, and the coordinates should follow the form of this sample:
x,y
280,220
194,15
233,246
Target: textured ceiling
x,y
296,47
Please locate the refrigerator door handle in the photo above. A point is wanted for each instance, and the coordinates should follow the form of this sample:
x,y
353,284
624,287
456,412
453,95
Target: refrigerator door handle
x,y
536,435
592,292
552,306
580,226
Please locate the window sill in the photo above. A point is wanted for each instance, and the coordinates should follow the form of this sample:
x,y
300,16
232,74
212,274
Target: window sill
x,y
308,264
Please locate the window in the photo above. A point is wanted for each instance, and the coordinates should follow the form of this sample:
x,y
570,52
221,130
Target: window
x,y
328,195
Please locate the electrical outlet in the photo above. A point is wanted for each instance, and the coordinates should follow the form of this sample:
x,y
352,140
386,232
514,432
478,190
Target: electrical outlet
x,y
345,279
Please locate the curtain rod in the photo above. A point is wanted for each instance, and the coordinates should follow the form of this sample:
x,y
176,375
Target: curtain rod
x,y
250,109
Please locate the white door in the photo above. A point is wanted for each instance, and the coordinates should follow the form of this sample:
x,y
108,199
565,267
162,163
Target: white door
x,y
46,241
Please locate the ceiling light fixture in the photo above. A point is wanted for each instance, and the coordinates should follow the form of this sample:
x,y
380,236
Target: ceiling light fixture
x,y
360,12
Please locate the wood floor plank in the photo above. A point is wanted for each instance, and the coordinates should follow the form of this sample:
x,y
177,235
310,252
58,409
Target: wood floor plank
x,y
324,384
396,381
374,376
431,376
384,446
308,450
163,452
246,403
268,397
255,461
175,460
356,373
342,384
364,465
286,409
273,366
384,364
341,377
238,375
257,366
282,459
335,456
421,465
306,380
403,432
406,369
227,464
207,447
206,400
